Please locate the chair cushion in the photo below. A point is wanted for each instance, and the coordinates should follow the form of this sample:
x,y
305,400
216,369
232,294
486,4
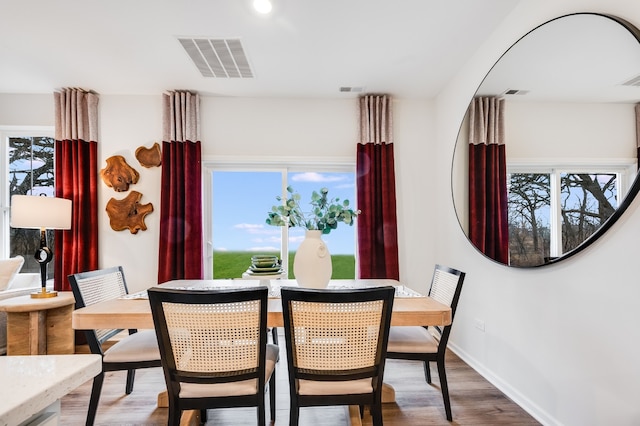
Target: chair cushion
x,y
8,270
411,339
348,387
244,387
140,346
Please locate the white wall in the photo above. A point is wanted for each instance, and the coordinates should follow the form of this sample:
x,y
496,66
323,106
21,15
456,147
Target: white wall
x,y
239,128
560,340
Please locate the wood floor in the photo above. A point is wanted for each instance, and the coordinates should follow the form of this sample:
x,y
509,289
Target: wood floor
x,y
474,401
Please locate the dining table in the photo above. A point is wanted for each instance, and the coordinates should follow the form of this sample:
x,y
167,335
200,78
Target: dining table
x,y
132,311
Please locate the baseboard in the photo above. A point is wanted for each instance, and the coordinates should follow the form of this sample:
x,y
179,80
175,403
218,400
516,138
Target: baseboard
x,y
525,403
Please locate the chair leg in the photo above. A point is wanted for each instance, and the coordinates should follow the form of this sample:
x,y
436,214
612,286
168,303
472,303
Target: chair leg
x,y
294,413
376,414
272,397
131,374
427,372
261,413
445,390
274,335
175,413
203,416
95,398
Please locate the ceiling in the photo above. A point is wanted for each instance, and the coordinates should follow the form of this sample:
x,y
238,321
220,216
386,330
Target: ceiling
x,y
407,48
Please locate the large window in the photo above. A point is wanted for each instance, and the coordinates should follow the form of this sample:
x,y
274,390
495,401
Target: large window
x,y
554,210
240,201
28,164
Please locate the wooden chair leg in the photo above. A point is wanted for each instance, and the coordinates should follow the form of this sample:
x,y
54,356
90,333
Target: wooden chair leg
x,y
445,390
261,413
96,388
131,374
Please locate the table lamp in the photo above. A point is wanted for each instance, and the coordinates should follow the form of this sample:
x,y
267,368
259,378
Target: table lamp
x,y
40,212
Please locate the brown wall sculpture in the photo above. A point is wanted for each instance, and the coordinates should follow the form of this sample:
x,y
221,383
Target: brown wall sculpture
x,y
149,157
118,174
128,213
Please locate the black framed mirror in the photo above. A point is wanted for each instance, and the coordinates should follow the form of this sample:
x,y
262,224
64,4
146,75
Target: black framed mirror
x,y
568,91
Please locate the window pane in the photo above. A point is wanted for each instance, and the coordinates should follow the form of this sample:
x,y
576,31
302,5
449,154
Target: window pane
x,y
31,172
340,241
241,201
587,201
529,204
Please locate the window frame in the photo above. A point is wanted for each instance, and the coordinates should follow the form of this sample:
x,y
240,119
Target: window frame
x,y
624,168
7,132
284,165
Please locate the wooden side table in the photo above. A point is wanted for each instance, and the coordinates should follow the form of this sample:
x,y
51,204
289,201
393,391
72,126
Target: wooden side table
x,y
39,326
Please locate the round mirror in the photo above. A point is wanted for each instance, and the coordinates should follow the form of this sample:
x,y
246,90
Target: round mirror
x,y
547,154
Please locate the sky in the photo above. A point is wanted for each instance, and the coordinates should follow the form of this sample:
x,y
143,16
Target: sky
x,y
242,201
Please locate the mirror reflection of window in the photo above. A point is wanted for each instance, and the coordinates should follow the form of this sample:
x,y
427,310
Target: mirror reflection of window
x,y
551,214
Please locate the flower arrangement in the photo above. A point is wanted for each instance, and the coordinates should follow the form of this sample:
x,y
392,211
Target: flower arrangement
x,y
324,216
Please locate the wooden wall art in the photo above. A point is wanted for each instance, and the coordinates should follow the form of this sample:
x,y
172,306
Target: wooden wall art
x,y
128,213
118,174
149,157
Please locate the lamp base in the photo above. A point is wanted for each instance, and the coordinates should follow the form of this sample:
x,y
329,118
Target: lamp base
x,y
44,294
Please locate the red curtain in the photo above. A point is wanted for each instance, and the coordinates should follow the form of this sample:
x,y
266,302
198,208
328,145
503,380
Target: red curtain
x,y
76,179
180,253
377,225
488,223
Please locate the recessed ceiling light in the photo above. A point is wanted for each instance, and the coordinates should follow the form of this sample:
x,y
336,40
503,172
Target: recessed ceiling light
x,y
262,6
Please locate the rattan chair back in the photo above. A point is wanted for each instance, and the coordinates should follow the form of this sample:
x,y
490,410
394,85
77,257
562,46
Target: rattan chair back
x,y
336,336
210,339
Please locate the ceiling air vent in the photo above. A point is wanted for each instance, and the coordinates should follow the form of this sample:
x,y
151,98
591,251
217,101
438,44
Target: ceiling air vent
x,y
635,81
351,89
515,92
218,57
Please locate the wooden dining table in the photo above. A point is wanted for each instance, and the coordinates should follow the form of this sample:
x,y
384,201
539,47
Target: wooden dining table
x,y
133,311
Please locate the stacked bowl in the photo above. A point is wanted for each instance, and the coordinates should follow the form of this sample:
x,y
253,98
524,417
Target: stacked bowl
x,y
265,264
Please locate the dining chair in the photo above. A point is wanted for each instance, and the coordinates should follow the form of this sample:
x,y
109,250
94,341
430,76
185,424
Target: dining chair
x,y
429,344
214,350
136,350
336,342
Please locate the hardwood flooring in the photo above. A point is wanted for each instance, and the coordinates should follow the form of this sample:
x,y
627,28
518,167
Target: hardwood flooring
x,y
474,401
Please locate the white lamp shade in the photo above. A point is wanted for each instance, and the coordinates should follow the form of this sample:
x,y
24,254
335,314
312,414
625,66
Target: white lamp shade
x,y
30,211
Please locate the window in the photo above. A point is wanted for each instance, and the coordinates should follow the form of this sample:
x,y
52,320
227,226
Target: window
x,y
28,164
241,197
551,211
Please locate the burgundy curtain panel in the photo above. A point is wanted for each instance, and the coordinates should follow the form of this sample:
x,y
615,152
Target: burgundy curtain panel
x,y
376,191
488,225
181,240
76,179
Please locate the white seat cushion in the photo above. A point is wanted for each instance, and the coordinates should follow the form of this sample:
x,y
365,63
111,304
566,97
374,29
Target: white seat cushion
x,y
140,346
244,387
411,339
348,387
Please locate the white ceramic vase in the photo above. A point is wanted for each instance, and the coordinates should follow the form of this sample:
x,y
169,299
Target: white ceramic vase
x,y
312,263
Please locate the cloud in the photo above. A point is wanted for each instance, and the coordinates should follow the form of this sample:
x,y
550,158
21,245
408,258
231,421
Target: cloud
x,y
264,248
252,228
315,177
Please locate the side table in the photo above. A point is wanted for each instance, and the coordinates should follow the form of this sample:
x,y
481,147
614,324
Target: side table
x,y
39,326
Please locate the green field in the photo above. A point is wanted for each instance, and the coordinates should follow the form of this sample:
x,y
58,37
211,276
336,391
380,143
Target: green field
x,y
231,264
